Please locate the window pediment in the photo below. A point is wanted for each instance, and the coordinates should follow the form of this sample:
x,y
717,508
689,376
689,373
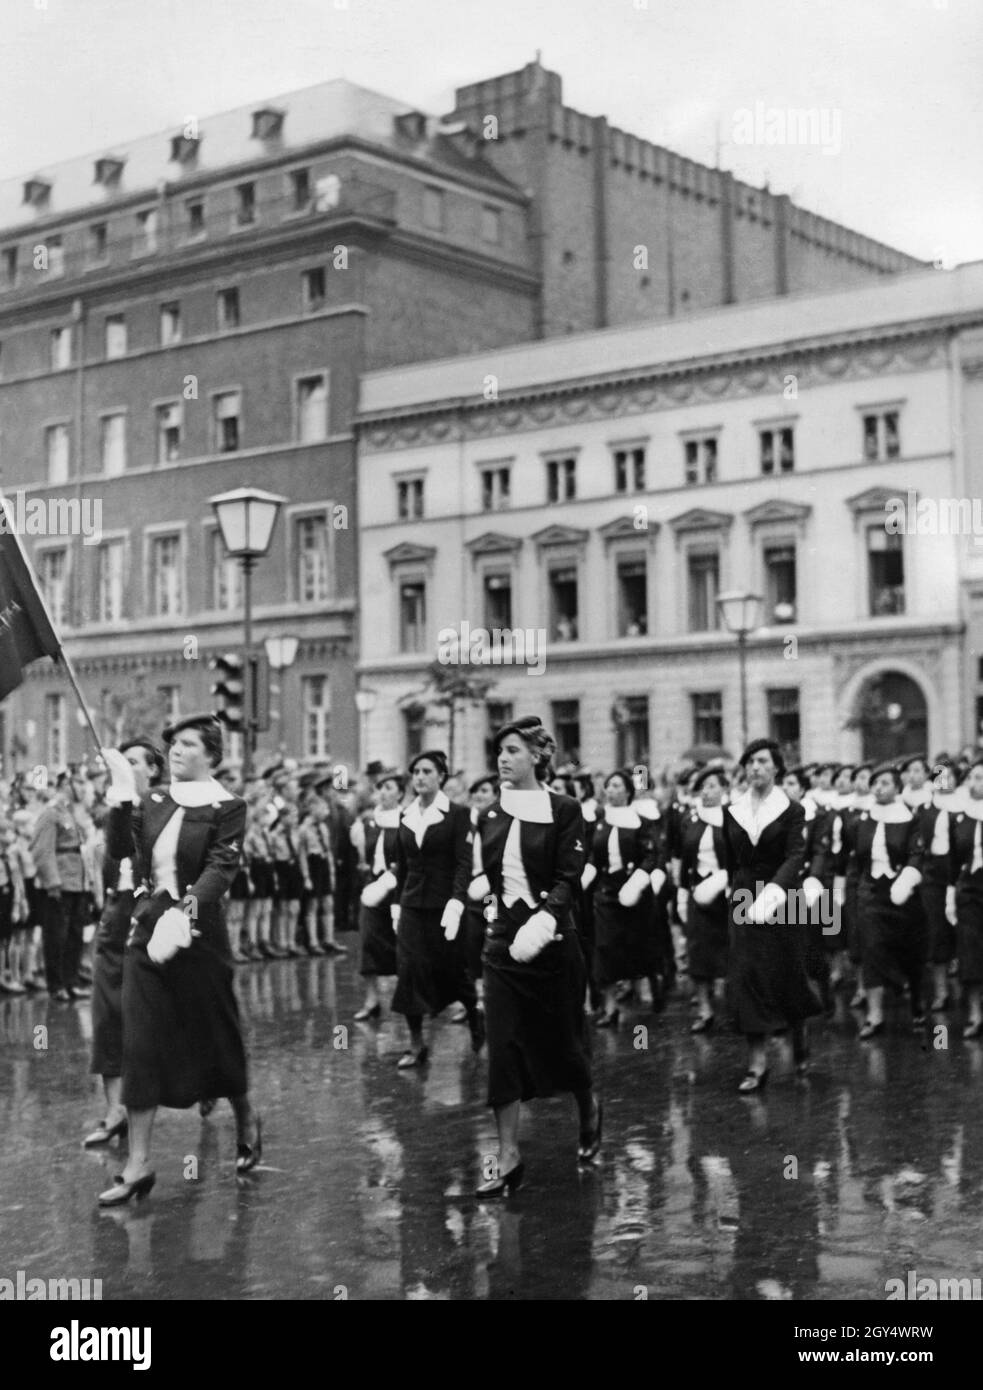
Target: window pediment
x,y
623,528
776,510
493,542
407,553
559,535
701,519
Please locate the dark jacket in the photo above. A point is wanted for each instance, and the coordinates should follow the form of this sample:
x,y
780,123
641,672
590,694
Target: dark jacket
x,y
689,837
779,855
637,847
429,875
552,854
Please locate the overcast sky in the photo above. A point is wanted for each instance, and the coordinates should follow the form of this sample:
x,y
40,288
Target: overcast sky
x,y
896,86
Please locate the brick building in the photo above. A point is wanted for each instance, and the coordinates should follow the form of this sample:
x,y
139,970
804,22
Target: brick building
x,y
189,312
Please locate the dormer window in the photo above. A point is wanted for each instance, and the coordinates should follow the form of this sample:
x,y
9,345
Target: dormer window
x,y
267,124
37,192
412,125
109,171
184,148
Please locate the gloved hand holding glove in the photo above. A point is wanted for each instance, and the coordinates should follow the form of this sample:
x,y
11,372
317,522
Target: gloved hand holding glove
x,y
904,885
172,933
588,876
123,785
376,892
479,888
766,905
709,889
451,919
657,879
632,890
533,937
812,891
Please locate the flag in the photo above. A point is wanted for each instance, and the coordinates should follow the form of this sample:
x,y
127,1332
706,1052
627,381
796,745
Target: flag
x,y
26,633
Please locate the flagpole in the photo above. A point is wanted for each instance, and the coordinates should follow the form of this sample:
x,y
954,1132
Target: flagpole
x,y
63,655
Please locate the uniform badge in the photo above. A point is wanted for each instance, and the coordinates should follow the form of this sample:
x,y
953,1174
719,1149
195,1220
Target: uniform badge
x,y
156,796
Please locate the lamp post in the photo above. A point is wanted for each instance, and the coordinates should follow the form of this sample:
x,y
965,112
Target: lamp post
x,y
246,518
281,652
741,613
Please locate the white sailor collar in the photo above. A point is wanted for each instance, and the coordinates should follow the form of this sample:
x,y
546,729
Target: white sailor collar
x,y
969,806
387,820
647,808
917,799
534,806
894,813
437,809
588,809
194,794
709,815
769,810
624,817
809,806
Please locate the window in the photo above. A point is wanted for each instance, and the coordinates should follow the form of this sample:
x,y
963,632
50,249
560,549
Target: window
x,y
98,242
708,717
226,574
561,480
245,204
313,575
312,285
566,730
300,189
491,224
433,209
166,587
885,566
496,485
56,729
170,323
227,407
312,408
170,703
701,460
10,267
497,590
777,449
632,572
780,590
61,348
629,470
170,419
632,724
110,580
882,439
53,574
195,212
113,444
316,703
563,602
409,498
145,240
497,712
412,615
56,255
413,728
227,309
783,722
267,124
56,451
115,336
703,573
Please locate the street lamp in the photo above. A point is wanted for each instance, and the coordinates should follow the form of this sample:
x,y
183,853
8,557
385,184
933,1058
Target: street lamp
x,y
246,518
741,613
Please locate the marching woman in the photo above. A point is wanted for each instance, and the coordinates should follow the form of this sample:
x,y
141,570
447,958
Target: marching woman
x,y
814,888
374,837
885,844
532,857
700,901
182,1042
433,869
147,763
483,793
625,865
964,904
764,837
934,822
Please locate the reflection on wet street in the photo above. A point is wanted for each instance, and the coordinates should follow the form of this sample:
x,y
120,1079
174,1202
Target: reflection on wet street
x,y
819,1189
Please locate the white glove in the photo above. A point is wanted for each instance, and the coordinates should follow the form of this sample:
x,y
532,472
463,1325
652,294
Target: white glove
x,y
479,888
950,905
376,892
633,889
682,905
839,891
171,934
766,904
812,891
394,914
534,937
709,889
451,920
588,876
657,878
123,786
904,885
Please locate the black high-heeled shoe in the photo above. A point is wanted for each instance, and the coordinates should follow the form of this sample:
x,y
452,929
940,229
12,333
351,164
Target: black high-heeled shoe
x,y
870,1030
610,1020
105,1133
122,1190
753,1081
476,1024
413,1058
366,1013
505,1184
590,1139
248,1155
702,1025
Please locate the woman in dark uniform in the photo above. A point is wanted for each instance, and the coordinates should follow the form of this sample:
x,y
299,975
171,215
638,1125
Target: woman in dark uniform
x,y
532,857
182,1042
964,903
764,834
482,793
934,822
147,762
622,861
374,837
700,900
815,891
433,869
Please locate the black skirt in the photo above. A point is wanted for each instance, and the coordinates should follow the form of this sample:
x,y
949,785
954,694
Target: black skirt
x,y
941,945
626,944
378,940
473,933
707,933
182,1042
768,988
969,929
538,1038
107,986
431,969
893,937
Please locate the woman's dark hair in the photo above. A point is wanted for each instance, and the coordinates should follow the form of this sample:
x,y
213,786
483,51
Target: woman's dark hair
x,y
435,756
208,729
490,779
584,783
154,758
569,786
799,773
626,777
396,777
536,737
761,745
890,769
705,773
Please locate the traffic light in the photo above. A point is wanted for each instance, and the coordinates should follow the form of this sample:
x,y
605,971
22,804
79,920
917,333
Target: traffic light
x,y
231,689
